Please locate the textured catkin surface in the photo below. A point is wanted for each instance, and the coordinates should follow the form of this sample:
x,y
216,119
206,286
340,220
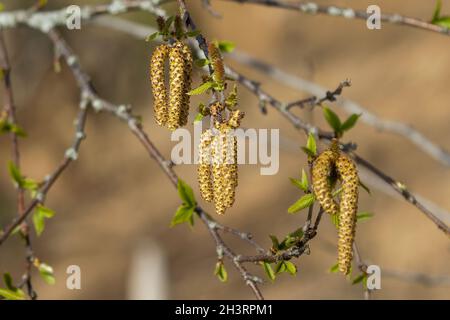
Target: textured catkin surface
x,y
348,208
188,65
157,62
177,65
217,63
224,169
204,168
321,171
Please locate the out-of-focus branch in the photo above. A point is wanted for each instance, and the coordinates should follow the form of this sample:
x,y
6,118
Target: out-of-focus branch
x,y
10,109
349,106
313,8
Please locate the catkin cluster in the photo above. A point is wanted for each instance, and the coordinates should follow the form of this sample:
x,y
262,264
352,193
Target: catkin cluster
x,y
171,108
218,169
328,163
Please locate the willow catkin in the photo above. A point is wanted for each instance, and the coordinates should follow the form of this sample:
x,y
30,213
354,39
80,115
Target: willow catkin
x,y
224,168
322,169
188,60
157,78
348,207
204,167
177,65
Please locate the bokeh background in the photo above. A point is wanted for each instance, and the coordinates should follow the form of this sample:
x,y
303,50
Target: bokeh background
x,y
113,205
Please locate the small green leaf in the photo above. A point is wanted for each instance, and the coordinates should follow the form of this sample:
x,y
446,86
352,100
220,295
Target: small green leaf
x,y
361,216
304,182
226,46
221,272
167,25
360,278
15,174
332,119
304,202
152,36
193,33
269,271
290,267
46,273
40,214
275,242
334,268
308,152
280,268
335,220
186,194
7,279
297,233
198,117
202,88
350,122
437,11
12,295
183,214
311,144
443,22
201,62
30,184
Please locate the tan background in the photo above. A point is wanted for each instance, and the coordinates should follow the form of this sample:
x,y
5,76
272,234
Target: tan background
x,y
114,198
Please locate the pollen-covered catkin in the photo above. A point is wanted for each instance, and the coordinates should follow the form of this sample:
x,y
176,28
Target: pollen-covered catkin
x,y
224,168
188,60
157,77
321,172
204,167
177,65
217,63
348,207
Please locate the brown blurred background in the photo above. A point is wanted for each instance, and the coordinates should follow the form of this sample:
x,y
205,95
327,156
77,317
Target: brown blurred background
x,y
114,203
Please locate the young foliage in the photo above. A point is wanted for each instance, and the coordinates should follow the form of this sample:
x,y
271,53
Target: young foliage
x,y
185,212
221,272
40,214
304,202
269,271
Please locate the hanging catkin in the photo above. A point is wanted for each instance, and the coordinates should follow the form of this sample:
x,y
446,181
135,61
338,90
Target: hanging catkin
x,y
322,170
204,167
188,65
348,207
177,65
157,77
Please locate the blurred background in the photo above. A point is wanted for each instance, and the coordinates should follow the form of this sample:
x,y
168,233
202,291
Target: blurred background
x,y
113,205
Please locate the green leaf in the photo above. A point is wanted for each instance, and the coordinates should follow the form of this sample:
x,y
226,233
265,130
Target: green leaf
x,y
443,22
335,220
280,268
275,242
334,268
152,36
221,272
193,33
202,88
269,271
226,46
30,184
201,62
308,152
290,267
46,273
361,216
359,278
350,122
167,25
297,233
15,174
304,202
437,11
311,144
186,194
332,119
364,187
7,279
198,117
40,214
304,182
183,214
12,295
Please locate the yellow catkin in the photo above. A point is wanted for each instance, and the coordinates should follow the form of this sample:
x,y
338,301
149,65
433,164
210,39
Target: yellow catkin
x,y
321,172
216,61
157,77
235,118
204,167
188,60
224,168
177,66
348,207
